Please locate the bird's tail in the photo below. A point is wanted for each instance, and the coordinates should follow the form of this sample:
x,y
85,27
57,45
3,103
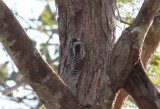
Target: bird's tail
x,y
75,70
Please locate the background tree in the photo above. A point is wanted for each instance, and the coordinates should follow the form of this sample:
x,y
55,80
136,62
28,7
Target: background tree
x,y
85,90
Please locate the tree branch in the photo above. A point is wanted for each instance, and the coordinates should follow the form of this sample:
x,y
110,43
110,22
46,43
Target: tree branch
x,y
3,83
54,60
151,43
141,88
46,44
128,47
127,50
120,99
119,17
48,85
11,89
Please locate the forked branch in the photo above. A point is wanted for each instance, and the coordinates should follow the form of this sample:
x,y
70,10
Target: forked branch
x,y
150,45
142,90
128,50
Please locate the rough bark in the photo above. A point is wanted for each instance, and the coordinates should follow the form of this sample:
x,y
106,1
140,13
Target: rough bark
x,y
121,98
152,41
30,63
128,48
150,45
141,88
92,21
101,72
129,45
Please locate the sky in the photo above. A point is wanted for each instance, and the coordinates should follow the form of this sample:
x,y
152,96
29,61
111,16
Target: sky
x,y
27,9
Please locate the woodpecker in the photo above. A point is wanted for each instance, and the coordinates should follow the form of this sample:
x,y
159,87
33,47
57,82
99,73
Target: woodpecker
x,y
77,53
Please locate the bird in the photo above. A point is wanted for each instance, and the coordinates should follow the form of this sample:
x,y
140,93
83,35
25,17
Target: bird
x,y
77,54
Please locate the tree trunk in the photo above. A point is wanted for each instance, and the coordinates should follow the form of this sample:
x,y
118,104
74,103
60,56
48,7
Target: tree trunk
x,y
106,67
93,23
81,20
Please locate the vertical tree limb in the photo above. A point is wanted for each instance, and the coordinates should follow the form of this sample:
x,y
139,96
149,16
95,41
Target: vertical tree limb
x,y
92,21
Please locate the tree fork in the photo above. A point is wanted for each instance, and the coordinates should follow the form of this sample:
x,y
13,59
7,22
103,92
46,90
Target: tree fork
x,y
99,16
150,45
141,88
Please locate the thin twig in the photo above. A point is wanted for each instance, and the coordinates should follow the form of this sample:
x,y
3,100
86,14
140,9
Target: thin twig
x,y
31,27
54,60
46,44
3,83
11,89
119,17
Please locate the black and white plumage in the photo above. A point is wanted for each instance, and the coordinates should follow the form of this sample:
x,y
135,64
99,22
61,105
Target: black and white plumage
x,y
77,54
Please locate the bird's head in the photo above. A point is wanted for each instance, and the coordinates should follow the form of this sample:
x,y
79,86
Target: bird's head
x,y
76,41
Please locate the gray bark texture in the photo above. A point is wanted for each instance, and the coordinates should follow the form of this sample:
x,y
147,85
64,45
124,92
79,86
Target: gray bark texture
x,y
86,20
150,45
35,70
107,66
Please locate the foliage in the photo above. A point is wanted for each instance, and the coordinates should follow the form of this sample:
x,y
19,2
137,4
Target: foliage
x,y
129,104
3,70
128,10
46,26
47,17
153,69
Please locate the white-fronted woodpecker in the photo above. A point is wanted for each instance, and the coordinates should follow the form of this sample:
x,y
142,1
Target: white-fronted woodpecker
x,y
77,53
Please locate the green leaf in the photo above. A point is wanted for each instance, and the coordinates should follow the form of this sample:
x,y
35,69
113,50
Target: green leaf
x,y
3,69
47,17
47,55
